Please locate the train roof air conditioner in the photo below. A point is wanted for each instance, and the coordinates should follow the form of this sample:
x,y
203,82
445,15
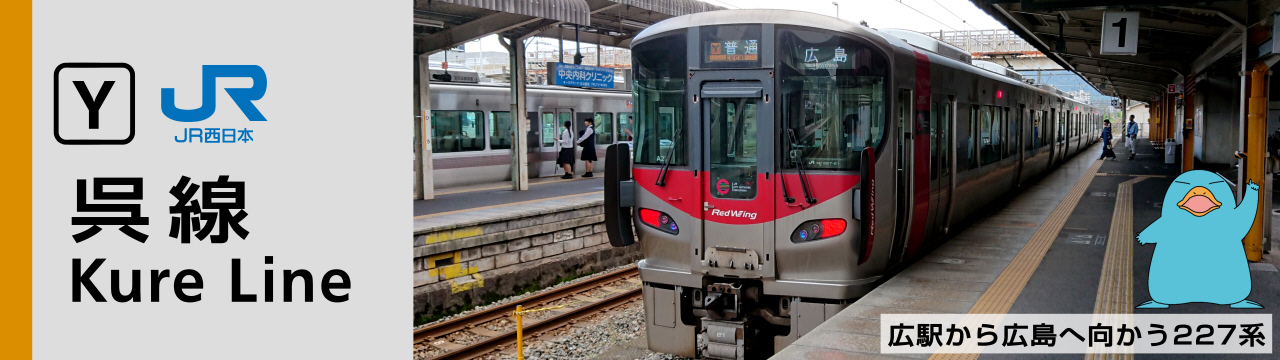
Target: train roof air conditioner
x,y
927,43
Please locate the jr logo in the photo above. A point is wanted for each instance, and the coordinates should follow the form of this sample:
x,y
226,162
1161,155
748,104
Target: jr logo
x,y
243,97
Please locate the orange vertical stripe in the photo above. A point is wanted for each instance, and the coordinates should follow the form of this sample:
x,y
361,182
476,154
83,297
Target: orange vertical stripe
x,y
15,185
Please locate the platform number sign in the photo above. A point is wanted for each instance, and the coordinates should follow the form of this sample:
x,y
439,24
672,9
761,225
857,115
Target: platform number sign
x,y
1120,33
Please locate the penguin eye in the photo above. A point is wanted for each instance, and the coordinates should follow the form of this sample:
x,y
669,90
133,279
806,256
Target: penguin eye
x,y
1215,182
1184,183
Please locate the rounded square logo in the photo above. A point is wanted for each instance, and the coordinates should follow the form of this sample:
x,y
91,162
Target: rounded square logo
x,y
93,103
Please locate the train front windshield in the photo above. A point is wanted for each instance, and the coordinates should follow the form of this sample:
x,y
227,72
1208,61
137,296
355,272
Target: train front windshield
x,y
659,91
832,98
831,95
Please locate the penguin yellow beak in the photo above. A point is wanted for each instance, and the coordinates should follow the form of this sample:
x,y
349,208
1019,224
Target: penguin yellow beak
x,y
1199,201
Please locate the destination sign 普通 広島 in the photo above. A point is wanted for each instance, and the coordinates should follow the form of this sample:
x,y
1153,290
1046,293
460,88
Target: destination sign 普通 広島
x,y
733,50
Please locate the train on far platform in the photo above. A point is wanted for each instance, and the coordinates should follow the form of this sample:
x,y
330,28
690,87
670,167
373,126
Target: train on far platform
x,y
785,161
471,136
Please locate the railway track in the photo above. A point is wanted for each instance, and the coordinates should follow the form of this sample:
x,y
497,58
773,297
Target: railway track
x,y
490,330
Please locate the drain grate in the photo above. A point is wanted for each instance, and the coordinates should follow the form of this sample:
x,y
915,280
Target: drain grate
x,y
959,261
1102,194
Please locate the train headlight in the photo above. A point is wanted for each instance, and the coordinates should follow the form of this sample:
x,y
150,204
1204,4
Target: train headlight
x,y
659,220
818,229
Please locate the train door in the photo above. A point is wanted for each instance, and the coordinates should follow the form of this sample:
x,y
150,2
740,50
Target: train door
x,y
1062,136
737,198
580,126
1053,136
533,145
551,120
940,163
903,154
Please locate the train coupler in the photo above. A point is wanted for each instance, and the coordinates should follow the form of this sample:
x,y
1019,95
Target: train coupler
x,y
731,340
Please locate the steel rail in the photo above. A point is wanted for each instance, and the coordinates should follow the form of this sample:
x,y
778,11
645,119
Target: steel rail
x,y
533,330
497,312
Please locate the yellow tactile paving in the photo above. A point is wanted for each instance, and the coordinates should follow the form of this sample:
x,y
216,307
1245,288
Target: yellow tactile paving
x,y
1004,291
1115,287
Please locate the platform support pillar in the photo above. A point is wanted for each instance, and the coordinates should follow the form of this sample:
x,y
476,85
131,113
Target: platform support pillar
x,y
1255,135
520,138
424,183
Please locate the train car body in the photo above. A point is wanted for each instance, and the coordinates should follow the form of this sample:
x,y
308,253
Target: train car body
x,y
471,128
785,161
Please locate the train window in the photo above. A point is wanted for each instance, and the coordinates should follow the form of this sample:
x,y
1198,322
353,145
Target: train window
x,y
549,129
990,133
935,146
833,91
603,128
566,116
944,144
659,93
1033,125
626,127
972,145
1015,133
733,147
499,130
1044,129
456,131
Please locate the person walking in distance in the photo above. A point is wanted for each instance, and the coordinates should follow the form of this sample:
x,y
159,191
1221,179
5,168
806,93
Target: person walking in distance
x,y
588,143
1131,137
565,143
1107,152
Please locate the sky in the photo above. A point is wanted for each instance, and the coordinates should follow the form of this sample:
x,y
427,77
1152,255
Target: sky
x,y
918,15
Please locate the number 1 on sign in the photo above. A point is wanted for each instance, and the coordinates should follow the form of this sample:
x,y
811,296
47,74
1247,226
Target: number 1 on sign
x,y
1122,24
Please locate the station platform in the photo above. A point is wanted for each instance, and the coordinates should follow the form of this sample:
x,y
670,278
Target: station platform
x,y
499,194
1064,245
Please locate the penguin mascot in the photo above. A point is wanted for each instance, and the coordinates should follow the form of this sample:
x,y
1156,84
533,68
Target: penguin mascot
x,y
1199,256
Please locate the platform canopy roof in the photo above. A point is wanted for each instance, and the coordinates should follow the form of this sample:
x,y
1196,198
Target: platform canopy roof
x,y
443,24
1175,38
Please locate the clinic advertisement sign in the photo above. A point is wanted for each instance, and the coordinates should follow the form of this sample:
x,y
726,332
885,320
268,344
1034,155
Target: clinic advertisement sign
x,y
580,75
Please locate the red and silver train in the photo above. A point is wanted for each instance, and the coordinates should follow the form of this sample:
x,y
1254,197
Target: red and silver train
x,y
785,161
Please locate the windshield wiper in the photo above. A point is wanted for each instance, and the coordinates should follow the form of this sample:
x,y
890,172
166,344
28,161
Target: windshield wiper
x,y
797,157
666,160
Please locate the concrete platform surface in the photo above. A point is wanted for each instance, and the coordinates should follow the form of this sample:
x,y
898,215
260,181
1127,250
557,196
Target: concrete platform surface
x,y
490,195
1044,252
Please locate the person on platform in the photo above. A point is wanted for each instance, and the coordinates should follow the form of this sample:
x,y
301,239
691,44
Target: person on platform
x,y
1107,152
588,143
565,159
1131,136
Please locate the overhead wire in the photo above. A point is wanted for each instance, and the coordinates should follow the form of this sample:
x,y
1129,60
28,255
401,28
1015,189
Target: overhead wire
x,y
927,15
725,4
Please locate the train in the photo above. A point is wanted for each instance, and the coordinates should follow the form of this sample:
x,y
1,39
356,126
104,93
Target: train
x,y
784,162
471,136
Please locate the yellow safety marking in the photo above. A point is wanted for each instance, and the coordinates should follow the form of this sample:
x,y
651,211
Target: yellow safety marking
x,y
433,259
476,282
1115,287
522,312
456,270
454,234
503,205
998,298
1150,176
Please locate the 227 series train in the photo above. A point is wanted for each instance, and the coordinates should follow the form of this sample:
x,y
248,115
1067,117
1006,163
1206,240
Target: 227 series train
x,y
784,161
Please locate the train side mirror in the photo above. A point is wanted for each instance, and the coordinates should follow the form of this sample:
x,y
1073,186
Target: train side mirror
x,y
619,195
